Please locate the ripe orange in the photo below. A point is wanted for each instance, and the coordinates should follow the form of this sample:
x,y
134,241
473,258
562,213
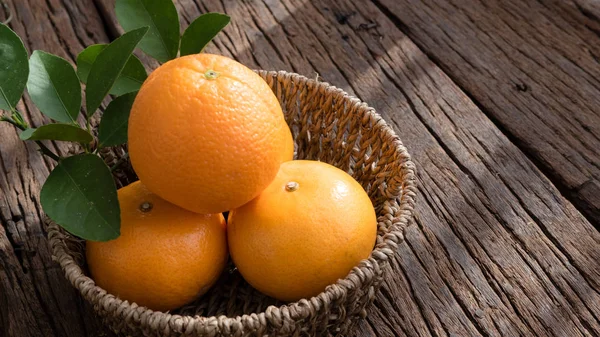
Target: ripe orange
x,y
165,256
288,152
306,230
207,133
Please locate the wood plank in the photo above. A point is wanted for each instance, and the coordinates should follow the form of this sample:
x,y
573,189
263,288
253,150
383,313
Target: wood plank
x,y
35,298
495,249
489,254
374,80
533,67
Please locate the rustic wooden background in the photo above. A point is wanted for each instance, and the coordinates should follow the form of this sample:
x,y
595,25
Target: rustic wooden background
x,y
498,101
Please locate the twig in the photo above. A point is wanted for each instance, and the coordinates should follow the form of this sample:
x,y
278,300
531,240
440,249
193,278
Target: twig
x,y
120,162
47,151
43,147
11,121
10,13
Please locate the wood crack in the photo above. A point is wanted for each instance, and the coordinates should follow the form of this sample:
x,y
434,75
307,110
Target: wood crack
x,y
111,30
562,52
526,70
540,224
271,43
545,277
458,298
419,301
580,132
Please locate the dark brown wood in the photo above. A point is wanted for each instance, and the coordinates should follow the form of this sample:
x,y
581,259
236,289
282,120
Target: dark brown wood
x,y
495,249
533,67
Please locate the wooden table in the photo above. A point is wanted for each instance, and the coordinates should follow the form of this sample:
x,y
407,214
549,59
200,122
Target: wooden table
x,y
498,101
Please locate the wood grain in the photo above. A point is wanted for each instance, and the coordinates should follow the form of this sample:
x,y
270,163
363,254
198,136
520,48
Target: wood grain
x,y
35,298
533,67
495,249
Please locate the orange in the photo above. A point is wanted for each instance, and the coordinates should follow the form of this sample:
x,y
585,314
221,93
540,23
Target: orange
x,y
306,230
288,152
165,256
207,133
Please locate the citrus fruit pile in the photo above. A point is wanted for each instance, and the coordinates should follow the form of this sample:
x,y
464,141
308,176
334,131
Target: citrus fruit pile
x,y
207,135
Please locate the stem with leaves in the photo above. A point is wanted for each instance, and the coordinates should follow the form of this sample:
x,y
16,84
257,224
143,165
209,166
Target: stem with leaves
x,y
17,120
83,181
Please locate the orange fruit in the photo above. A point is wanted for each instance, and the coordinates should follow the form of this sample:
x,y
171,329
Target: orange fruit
x,y
165,256
207,133
306,230
288,152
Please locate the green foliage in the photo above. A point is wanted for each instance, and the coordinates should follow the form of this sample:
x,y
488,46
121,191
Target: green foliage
x,y
130,79
113,127
64,132
201,31
13,68
162,40
86,58
80,194
108,66
53,87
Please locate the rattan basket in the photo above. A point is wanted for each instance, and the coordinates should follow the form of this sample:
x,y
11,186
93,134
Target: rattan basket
x,y
328,125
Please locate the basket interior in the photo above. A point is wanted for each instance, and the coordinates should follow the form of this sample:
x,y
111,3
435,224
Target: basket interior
x,y
327,125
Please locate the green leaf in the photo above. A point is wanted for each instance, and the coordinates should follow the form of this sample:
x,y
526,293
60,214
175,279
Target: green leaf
x,y
86,58
131,79
64,132
54,87
162,40
201,31
113,126
108,66
80,195
13,68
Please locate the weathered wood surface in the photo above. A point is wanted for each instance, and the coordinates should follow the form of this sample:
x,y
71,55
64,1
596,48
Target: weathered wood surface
x,y
496,250
534,69
35,299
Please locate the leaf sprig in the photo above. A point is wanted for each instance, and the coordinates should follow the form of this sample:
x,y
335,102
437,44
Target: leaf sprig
x,y
80,193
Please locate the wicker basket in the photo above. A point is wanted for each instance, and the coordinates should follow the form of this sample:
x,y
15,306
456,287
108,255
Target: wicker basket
x,y
330,126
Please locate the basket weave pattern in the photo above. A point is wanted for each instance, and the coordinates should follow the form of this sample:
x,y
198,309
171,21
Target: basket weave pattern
x,y
327,125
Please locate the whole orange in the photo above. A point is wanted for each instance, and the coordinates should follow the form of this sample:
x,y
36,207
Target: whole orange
x,y
207,133
165,257
306,230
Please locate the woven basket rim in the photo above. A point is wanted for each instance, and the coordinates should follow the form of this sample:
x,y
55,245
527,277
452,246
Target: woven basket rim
x,y
298,310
